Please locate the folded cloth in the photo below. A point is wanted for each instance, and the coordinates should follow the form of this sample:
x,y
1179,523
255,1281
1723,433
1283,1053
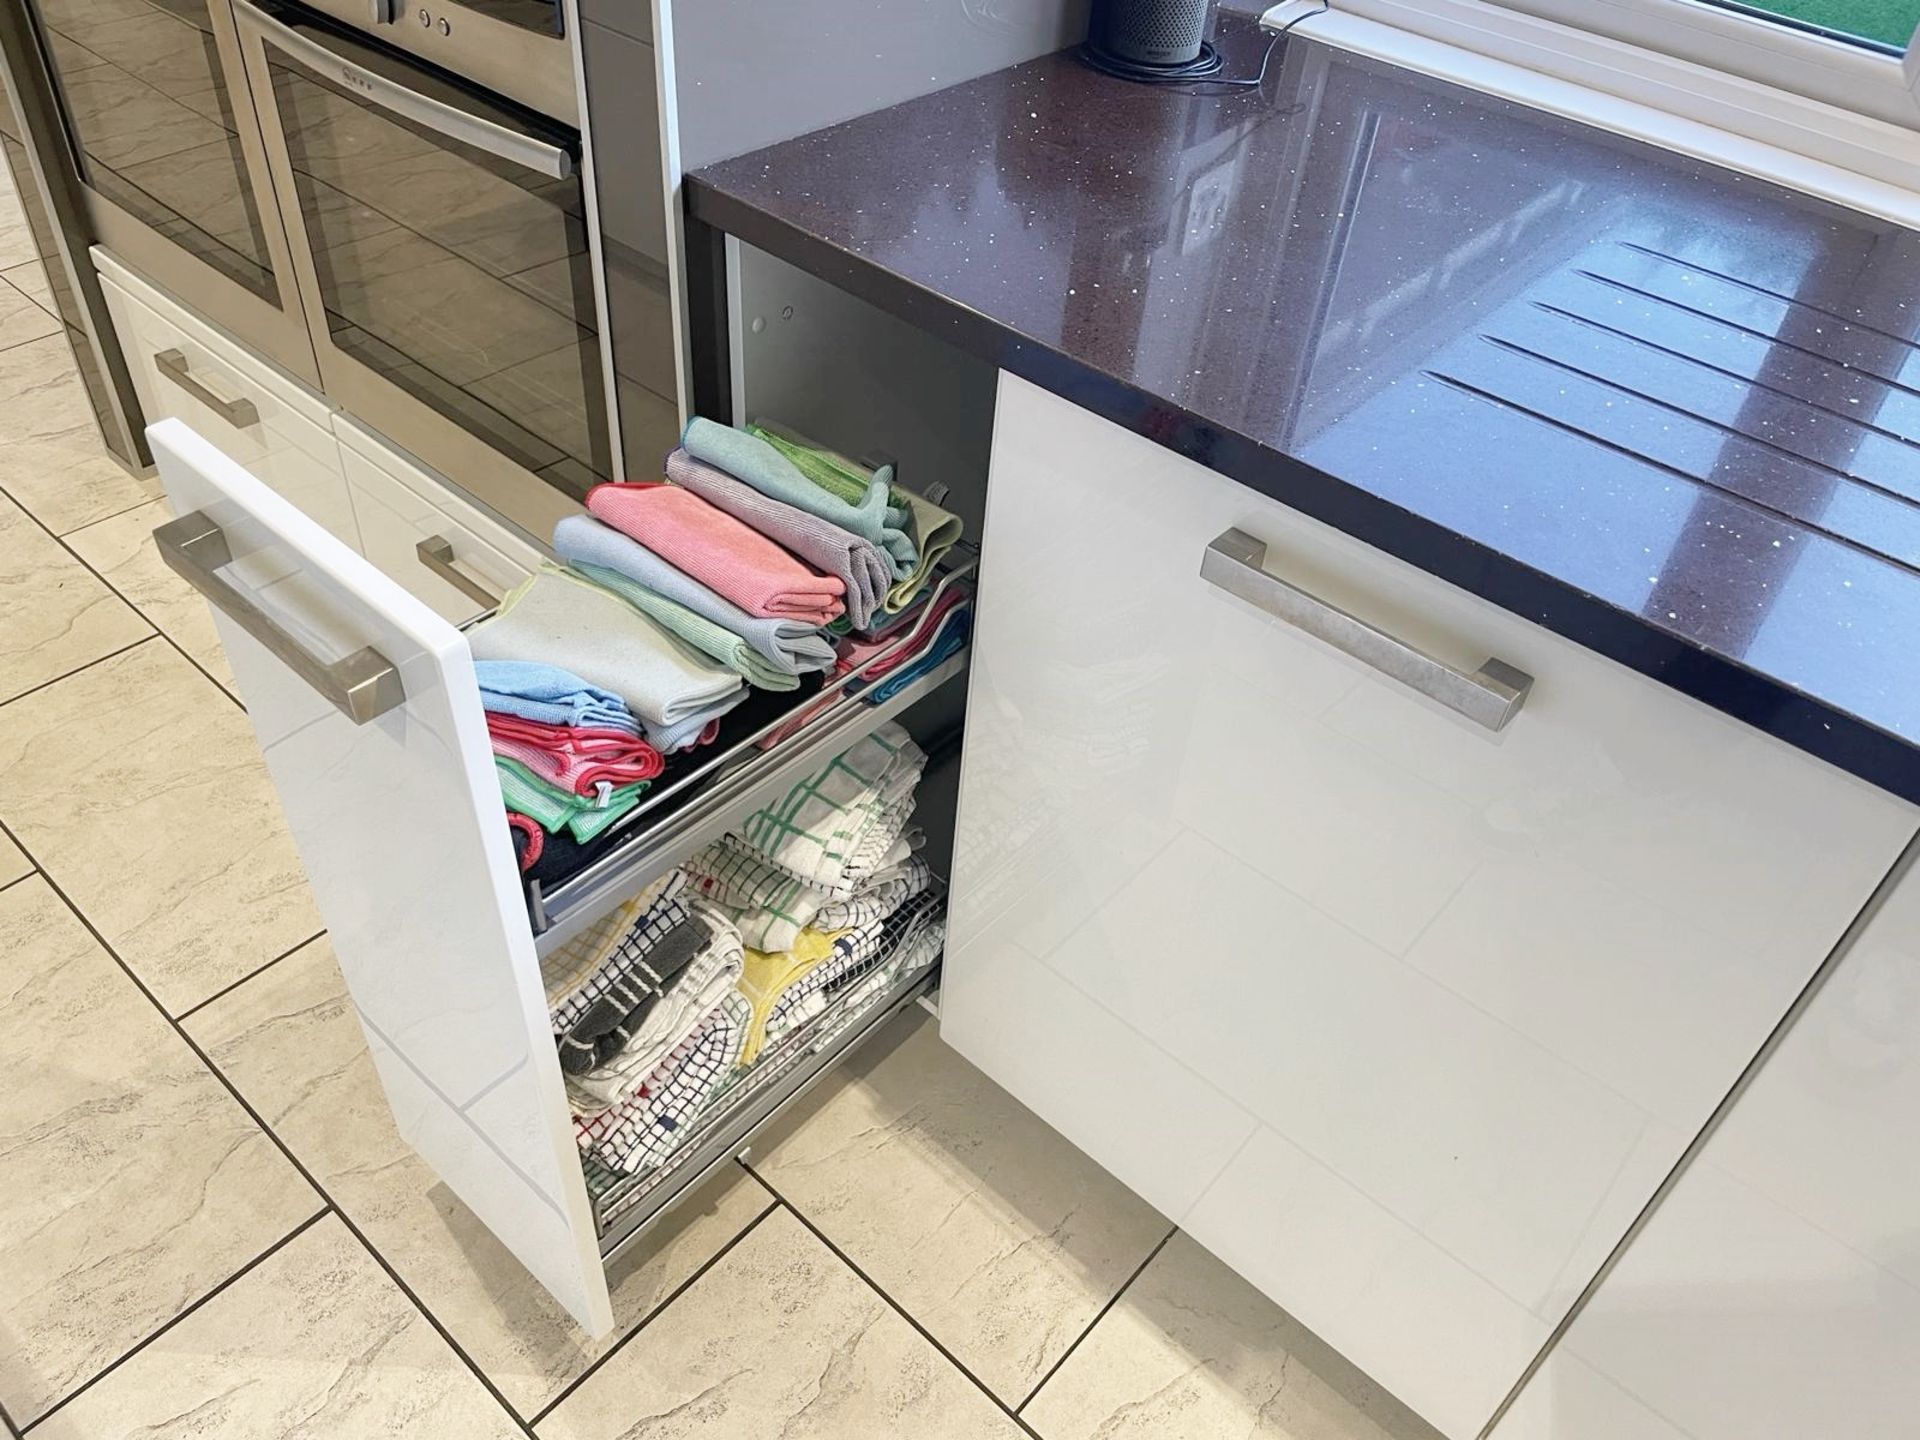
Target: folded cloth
x,y
574,758
934,529
884,892
770,906
834,827
719,551
527,794
644,1130
594,633
861,566
855,953
549,694
706,980
765,975
724,645
570,967
701,729
859,652
935,532
832,471
850,1000
953,633
794,646
528,838
648,964
747,457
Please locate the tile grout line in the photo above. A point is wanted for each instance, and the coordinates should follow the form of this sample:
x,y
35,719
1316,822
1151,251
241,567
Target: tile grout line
x,y
898,1309
1093,1324
114,590
226,990
275,1248
274,1136
80,669
566,1391
8,886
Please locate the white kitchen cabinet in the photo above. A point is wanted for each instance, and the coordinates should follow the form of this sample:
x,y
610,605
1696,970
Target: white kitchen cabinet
x,y
416,530
1405,1018
185,369
1776,1289
365,705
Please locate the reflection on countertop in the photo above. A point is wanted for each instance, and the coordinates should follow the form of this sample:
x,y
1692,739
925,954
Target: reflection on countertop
x,y
1668,411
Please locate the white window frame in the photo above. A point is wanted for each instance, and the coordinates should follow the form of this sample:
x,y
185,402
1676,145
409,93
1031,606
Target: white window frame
x,y
1683,74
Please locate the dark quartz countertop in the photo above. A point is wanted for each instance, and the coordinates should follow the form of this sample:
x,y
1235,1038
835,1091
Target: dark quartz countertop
x,y
1670,412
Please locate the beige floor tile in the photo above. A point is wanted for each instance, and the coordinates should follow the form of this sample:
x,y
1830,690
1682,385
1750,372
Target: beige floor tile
x,y
55,615
130,1182
16,240
1192,1352
121,548
289,1040
51,458
139,787
315,1341
989,1229
21,318
13,864
779,1338
30,280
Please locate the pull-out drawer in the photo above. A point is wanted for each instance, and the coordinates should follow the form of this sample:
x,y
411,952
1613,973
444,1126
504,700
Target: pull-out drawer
x,y
184,369
365,704
416,530
1404,1016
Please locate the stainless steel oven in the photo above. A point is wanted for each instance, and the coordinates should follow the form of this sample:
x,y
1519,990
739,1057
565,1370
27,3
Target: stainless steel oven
x,y
162,136
428,169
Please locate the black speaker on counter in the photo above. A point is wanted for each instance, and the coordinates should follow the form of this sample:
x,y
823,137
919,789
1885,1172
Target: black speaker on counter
x,y
1151,39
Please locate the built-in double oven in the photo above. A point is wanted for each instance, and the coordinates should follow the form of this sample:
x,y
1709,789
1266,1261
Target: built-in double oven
x,y
385,198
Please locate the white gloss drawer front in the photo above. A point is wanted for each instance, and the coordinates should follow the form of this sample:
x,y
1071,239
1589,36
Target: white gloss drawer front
x,y
1776,1291
185,370
1392,945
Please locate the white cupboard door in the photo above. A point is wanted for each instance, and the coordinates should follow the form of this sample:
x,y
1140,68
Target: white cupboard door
x,y
1776,1290
398,820
1402,1016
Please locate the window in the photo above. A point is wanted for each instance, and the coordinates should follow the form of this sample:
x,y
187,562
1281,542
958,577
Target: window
x,y
1887,24
1831,82
1846,53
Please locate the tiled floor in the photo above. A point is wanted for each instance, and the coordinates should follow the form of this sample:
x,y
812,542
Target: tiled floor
x,y
209,1228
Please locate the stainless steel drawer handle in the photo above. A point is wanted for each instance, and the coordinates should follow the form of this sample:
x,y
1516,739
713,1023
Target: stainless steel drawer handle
x,y
436,553
1490,696
362,686
237,413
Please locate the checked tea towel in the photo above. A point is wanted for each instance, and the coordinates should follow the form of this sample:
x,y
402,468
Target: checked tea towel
x,y
834,828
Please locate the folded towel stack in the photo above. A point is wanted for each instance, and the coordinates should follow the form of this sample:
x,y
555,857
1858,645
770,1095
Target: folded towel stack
x,y
569,754
760,562
666,1010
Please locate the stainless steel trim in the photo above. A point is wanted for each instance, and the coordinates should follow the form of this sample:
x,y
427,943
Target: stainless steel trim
x,y
1876,902
362,686
1490,696
436,553
239,413
436,115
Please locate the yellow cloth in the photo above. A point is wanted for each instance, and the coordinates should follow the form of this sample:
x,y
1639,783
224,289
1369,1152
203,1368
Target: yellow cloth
x,y
936,531
769,972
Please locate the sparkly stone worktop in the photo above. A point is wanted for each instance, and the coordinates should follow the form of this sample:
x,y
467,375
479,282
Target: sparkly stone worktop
x,y
1667,411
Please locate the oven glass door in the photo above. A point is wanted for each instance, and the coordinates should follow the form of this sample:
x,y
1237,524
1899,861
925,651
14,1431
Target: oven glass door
x,y
448,245
154,129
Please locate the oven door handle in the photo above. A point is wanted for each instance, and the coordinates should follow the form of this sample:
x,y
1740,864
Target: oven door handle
x,y
451,121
